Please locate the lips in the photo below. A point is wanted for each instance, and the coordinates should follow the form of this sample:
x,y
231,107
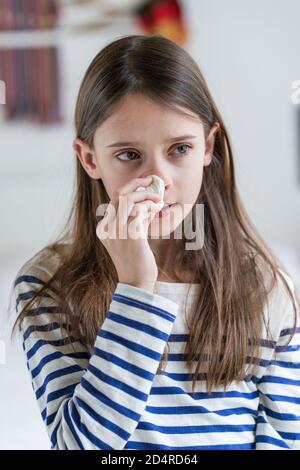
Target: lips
x,y
165,210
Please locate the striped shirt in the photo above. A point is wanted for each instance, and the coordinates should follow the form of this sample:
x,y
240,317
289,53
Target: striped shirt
x,y
115,397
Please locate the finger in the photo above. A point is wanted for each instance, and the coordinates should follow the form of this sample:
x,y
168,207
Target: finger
x,y
133,184
153,210
142,196
108,219
127,203
145,210
138,226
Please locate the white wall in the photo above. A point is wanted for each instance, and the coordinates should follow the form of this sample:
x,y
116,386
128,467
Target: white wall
x,y
249,53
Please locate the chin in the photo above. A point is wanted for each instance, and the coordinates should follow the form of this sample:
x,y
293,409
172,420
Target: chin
x,y
163,227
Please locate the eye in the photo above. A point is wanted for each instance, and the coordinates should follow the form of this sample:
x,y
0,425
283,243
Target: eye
x,y
183,145
133,152
124,153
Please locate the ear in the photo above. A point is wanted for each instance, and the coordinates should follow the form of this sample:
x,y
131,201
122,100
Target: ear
x,y
210,143
87,158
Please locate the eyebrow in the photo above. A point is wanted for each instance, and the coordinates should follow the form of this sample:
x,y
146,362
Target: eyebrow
x,y
171,139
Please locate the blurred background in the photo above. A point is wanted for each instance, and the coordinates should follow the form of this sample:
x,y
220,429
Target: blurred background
x,y
249,54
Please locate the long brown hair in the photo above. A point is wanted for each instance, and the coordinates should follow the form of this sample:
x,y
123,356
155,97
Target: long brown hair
x,y
226,324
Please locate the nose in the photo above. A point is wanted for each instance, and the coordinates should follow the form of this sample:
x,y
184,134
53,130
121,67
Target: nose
x,y
161,174
155,164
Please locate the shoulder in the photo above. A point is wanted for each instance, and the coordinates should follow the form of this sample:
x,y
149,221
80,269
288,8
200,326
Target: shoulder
x,y
282,308
44,263
34,273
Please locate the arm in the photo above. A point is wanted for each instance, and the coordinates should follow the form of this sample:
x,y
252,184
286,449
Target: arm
x,y
95,402
278,421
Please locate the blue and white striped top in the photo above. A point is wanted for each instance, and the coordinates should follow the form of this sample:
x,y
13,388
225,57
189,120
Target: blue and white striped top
x,y
116,398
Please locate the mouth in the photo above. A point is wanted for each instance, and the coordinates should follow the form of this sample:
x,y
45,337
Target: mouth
x,y
164,210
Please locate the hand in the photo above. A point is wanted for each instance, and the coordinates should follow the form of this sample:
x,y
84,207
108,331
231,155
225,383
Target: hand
x,y
132,257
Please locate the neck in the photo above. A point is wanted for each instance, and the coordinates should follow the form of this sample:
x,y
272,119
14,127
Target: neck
x,y
164,253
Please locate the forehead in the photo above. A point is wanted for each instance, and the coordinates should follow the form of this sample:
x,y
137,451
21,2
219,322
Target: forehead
x,y
140,114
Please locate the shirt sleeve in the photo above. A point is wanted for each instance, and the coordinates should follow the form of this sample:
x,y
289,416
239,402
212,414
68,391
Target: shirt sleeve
x,y
278,420
94,401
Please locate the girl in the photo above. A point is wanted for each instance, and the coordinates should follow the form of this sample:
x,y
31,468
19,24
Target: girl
x,y
140,343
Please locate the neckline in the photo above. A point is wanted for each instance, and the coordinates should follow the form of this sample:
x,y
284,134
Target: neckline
x,y
176,287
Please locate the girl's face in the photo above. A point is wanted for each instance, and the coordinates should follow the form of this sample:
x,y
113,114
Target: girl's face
x,y
143,137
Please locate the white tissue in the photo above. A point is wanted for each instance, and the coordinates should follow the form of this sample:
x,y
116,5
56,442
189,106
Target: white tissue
x,y
156,186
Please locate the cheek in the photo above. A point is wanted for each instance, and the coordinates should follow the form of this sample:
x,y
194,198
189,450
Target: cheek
x,y
191,186
115,185
112,181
